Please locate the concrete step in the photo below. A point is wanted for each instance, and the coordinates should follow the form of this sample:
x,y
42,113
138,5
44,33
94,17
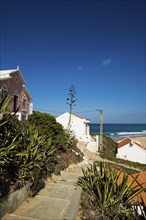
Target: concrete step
x,y
59,200
88,155
93,147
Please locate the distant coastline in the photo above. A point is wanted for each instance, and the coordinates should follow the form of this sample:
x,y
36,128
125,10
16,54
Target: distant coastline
x,y
119,131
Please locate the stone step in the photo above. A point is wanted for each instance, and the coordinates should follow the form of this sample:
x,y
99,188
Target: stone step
x,y
57,201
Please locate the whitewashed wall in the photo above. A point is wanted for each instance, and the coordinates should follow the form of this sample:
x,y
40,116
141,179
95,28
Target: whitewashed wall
x,y
132,153
31,109
79,126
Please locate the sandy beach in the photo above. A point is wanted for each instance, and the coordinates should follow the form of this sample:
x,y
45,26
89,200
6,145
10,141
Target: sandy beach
x,y
141,140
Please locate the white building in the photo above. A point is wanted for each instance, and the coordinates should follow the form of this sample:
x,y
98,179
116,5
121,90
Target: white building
x,y
78,125
132,150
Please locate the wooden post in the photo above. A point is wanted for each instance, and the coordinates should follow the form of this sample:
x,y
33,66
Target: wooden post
x,y
101,131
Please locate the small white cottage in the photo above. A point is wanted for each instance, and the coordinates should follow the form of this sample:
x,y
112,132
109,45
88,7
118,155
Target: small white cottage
x,y
132,150
78,125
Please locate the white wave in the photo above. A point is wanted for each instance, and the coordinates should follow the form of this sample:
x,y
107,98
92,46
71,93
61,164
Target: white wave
x,y
112,134
132,133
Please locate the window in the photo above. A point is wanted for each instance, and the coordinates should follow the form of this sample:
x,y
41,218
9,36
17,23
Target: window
x,y
24,103
131,143
23,117
15,103
3,92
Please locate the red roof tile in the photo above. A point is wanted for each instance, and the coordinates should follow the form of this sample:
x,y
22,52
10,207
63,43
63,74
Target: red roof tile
x,y
127,141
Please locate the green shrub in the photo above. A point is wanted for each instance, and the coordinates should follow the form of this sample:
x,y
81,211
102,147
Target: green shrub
x,y
28,149
109,146
49,128
11,139
35,157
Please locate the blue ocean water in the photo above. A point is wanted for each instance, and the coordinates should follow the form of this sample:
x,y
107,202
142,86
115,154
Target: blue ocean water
x,y
118,131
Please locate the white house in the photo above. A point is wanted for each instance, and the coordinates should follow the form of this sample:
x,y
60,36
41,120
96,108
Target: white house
x,y
78,125
132,150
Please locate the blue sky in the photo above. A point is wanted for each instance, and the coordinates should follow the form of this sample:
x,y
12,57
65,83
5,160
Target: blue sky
x,y
98,46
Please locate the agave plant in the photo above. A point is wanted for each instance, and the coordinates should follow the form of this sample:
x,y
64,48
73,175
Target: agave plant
x,y
9,143
35,155
27,148
112,199
3,109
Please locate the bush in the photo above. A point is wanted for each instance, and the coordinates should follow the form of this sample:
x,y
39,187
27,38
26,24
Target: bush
x,y
49,128
11,142
30,150
109,146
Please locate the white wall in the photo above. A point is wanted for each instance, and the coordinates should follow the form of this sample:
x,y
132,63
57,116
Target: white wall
x,y
30,108
18,114
132,153
78,126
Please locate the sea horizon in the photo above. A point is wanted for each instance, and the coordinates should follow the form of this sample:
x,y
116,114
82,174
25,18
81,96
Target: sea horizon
x,y
119,130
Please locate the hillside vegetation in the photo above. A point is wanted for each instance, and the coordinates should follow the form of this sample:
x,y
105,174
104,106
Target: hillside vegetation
x,y
32,150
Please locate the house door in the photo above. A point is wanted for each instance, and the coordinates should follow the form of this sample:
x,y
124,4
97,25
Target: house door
x,y
15,103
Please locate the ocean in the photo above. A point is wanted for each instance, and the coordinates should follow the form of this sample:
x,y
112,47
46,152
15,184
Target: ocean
x,y
119,131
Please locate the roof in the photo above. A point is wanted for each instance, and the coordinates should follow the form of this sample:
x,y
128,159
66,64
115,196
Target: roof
x,y
25,89
77,116
128,140
6,74
85,120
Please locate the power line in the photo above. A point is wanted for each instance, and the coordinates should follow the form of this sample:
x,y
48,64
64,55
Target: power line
x,y
46,110
86,111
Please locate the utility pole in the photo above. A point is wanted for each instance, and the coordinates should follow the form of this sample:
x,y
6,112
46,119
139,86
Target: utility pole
x,y
101,131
